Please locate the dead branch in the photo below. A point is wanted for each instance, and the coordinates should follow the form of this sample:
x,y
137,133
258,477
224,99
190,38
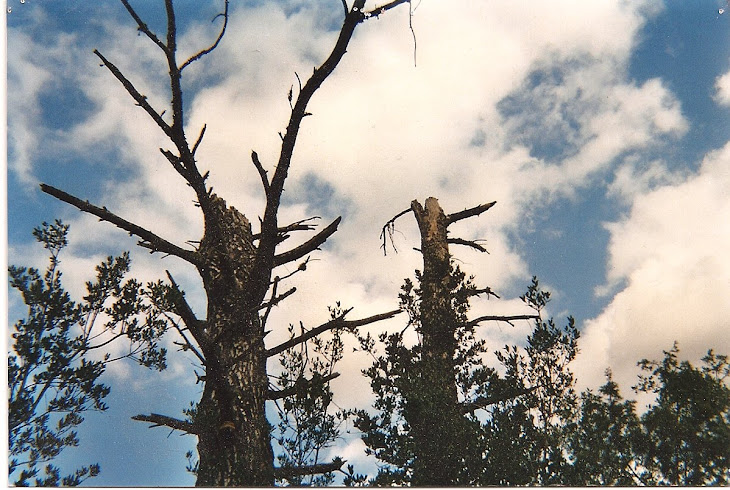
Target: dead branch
x,y
298,386
286,472
142,27
338,322
268,240
389,229
140,99
158,420
149,239
499,318
468,213
468,243
261,170
207,50
487,290
309,246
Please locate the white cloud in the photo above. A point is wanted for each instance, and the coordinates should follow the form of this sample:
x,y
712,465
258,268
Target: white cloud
x,y
383,133
722,85
671,252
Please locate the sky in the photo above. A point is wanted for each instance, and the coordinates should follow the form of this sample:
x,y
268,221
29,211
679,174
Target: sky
x,y
602,130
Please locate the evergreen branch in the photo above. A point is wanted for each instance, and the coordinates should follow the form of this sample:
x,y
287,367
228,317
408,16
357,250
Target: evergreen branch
x,y
202,53
309,246
338,322
298,386
158,420
149,239
468,213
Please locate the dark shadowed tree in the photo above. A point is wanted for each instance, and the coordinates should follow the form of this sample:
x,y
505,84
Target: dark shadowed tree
x,y
427,429
235,263
685,434
61,348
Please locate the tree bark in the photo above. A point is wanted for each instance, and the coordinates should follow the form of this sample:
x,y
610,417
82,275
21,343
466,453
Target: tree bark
x,y
234,437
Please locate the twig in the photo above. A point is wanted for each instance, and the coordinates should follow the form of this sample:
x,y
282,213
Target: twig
x,y
202,53
468,243
388,229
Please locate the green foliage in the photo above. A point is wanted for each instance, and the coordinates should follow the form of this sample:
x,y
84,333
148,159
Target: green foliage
x,y
306,426
53,376
523,433
685,437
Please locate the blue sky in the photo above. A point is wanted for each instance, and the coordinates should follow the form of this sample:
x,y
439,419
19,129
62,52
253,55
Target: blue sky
x,y
601,128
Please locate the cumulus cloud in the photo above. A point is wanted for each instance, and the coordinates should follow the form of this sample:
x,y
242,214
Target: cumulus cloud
x,y
722,87
522,104
668,259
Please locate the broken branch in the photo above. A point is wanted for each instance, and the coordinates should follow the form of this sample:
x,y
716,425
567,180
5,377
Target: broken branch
x,y
158,420
468,213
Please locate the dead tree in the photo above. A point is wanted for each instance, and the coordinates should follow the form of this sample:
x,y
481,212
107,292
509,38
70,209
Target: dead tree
x,y
433,410
235,265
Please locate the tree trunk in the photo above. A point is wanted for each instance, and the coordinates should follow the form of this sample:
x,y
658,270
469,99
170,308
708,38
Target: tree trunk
x,y
433,407
234,442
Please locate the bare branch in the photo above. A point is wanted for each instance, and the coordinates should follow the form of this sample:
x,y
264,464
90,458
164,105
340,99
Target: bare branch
x,y
338,322
499,318
292,471
468,213
142,27
388,229
261,170
158,420
300,225
267,243
309,246
487,290
379,10
149,239
217,41
468,243
200,138
139,98
184,311
299,385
